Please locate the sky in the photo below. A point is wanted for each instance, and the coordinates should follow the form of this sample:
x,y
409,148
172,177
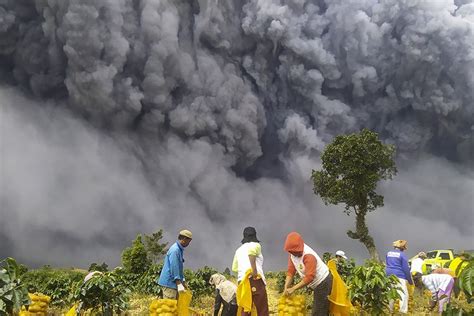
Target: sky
x,y
120,118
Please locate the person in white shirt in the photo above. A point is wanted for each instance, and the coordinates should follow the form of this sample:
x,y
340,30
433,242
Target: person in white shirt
x,y
416,271
340,255
249,256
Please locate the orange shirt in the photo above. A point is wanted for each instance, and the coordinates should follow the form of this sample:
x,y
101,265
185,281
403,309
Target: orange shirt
x,y
309,262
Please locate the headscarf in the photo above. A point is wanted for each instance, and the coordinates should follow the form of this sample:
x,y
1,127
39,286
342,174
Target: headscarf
x,y
250,235
294,243
401,244
226,289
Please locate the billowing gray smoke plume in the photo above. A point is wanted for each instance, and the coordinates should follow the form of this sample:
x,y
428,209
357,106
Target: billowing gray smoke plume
x,y
121,117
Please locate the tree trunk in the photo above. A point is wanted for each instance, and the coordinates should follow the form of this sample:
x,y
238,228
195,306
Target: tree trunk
x,y
362,234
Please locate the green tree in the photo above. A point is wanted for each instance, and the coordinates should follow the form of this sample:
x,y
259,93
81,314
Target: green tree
x,y
352,165
135,259
155,250
104,267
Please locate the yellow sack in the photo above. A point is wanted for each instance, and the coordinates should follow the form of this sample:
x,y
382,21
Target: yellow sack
x,y
339,303
252,313
291,305
184,300
72,311
244,293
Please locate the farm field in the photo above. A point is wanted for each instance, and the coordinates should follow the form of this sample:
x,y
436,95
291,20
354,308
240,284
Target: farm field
x,y
139,303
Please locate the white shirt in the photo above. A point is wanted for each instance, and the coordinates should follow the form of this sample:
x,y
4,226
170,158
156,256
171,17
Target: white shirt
x,y
322,270
417,265
435,282
242,262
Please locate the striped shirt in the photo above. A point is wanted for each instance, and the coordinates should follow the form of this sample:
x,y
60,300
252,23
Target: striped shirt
x,y
436,282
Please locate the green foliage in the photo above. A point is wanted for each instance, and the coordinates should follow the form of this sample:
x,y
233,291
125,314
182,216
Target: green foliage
x,y
465,281
135,259
345,267
154,249
13,294
60,291
371,289
280,277
198,281
147,284
104,267
105,293
227,272
56,283
352,165
456,309
327,256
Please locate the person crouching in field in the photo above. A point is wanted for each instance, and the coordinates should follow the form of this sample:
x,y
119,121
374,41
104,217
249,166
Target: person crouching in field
x,y
313,271
440,286
225,295
397,264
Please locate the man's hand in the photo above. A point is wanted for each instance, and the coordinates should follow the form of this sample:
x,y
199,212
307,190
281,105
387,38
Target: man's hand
x,y
181,288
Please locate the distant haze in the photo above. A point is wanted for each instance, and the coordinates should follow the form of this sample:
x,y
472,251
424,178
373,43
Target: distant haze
x,y
120,117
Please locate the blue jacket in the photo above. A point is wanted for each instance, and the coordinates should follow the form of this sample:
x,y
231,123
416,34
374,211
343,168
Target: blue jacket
x,y
172,267
397,264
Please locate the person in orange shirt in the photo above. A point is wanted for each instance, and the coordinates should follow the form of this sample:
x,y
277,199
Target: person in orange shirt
x,y
314,273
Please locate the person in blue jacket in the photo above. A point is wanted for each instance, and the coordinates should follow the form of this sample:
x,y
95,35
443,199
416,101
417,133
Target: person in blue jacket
x,y
171,278
397,265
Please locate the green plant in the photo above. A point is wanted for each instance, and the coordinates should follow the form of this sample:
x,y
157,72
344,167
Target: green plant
x,y
56,283
456,309
105,293
60,291
104,267
352,165
13,294
198,281
345,267
371,288
135,259
154,249
465,281
327,256
147,284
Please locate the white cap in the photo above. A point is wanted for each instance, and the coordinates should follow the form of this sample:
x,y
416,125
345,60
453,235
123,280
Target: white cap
x,y
341,254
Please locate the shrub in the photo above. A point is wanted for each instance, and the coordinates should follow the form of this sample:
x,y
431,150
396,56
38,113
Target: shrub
x,y
371,288
198,281
104,267
56,283
345,267
13,294
465,281
104,293
147,284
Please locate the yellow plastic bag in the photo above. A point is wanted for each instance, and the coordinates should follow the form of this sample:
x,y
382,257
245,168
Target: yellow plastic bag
x,y
340,305
252,313
184,300
72,311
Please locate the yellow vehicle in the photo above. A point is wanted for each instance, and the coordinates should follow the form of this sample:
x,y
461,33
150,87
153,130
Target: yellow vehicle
x,y
435,258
